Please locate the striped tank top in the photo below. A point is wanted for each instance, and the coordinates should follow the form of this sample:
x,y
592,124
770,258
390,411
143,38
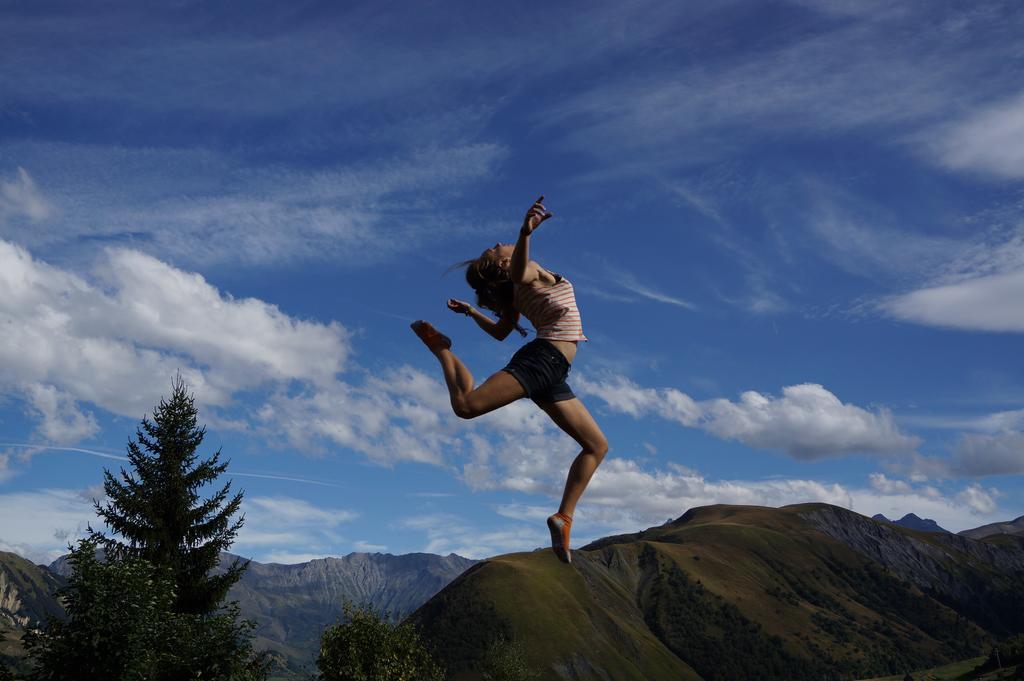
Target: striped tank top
x,y
551,309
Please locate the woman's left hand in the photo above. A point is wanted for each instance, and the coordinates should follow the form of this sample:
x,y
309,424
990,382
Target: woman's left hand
x,y
536,215
459,306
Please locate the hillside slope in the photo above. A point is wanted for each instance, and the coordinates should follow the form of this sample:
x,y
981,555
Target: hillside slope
x,y
26,600
736,593
1012,527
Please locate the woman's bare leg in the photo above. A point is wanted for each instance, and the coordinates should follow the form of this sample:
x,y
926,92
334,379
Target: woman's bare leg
x,y
469,402
573,418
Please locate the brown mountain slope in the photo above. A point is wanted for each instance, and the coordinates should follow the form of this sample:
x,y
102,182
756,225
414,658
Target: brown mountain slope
x,y
732,593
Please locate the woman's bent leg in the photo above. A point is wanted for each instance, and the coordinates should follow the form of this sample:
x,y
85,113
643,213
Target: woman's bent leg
x,y
469,402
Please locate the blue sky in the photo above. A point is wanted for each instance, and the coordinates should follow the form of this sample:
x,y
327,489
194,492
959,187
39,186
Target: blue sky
x,y
795,230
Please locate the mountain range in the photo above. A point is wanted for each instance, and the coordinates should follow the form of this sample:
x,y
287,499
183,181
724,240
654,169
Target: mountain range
x,y
738,593
723,593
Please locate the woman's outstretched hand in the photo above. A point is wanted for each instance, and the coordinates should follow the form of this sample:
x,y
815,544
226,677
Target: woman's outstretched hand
x,y
536,215
459,306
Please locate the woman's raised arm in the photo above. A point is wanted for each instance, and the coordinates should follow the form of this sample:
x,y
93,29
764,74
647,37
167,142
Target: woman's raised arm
x,y
520,270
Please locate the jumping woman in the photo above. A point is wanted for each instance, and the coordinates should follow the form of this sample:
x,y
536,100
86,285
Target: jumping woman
x,y
509,284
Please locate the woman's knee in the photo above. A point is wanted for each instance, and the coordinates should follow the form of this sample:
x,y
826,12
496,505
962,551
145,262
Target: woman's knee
x,y
598,447
465,409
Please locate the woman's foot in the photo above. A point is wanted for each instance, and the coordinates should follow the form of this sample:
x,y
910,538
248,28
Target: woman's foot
x,y
559,525
431,337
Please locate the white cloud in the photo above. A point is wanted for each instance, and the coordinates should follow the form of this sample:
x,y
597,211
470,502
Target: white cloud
x,y
884,485
806,422
62,420
117,341
989,303
979,501
624,485
626,497
21,198
989,140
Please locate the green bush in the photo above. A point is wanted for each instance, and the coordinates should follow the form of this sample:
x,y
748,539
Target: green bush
x,y
367,647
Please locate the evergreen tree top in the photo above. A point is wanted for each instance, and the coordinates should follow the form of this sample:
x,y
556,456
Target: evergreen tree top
x,y
157,510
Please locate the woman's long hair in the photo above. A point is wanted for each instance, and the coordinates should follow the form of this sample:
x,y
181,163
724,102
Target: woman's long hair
x,y
492,285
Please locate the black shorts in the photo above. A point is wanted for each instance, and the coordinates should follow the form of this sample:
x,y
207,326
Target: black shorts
x,y
541,369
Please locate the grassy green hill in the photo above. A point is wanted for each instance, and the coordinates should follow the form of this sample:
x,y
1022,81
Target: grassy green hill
x,y
735,593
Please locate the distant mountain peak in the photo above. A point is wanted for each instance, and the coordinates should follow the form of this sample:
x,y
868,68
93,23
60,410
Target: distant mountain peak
x,y
914,522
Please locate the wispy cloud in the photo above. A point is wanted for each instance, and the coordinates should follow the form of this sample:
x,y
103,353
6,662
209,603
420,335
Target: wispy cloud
x,y
853,75
629,282
290,530
866,240
198,207
43,447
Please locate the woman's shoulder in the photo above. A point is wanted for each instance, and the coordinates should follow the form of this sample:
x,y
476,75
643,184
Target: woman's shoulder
x,y
545,277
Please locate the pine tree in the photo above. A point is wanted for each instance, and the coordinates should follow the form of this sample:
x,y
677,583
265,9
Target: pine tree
x,y
159,513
